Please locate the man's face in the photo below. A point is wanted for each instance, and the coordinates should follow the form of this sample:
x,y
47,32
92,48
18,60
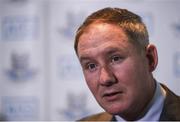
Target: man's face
x,y
115,71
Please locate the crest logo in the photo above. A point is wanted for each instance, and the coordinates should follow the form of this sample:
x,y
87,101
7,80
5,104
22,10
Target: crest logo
x,y
68,66
20,68
76,107
72,21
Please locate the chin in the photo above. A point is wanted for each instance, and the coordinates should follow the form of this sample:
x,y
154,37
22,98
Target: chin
x,y
115,109
114,112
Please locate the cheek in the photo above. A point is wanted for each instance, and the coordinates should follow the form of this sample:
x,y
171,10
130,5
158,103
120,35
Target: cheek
x,y
91,80
133,75
129,75
125,72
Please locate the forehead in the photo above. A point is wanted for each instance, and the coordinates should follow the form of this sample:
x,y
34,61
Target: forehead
x,y
101,36
104,30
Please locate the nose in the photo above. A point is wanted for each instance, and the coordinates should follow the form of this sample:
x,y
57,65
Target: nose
x,y
107,77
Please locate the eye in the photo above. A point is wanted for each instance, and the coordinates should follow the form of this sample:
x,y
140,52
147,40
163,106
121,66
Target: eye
x,y
91,66
115,58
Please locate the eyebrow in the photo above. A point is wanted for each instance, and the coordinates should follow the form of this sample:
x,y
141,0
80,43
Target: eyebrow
x,y
111,50
84,58
107,51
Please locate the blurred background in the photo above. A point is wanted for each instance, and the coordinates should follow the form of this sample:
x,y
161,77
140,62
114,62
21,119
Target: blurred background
x,y
40,76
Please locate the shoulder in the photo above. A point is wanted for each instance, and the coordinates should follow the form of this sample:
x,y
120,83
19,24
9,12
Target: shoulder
x,y
104,116
171,107
170,95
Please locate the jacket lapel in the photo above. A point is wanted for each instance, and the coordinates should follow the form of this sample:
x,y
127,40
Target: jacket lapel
x,y
171,109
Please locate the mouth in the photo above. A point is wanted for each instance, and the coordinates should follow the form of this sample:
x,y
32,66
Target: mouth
x,y
112,96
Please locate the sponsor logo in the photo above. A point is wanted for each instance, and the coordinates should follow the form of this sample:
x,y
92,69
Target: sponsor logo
x,y
69,68
20,108
20,67
15,28
72,21
177,64
76,106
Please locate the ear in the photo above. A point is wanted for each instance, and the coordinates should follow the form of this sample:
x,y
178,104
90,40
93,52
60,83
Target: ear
x,y
152,57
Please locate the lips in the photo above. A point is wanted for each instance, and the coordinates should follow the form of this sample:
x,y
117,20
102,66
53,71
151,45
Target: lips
x,y
111,96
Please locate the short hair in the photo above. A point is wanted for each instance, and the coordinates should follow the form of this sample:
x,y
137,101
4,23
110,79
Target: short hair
x,y
129,22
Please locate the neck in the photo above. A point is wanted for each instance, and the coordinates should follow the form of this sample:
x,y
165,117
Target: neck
x,y
140,111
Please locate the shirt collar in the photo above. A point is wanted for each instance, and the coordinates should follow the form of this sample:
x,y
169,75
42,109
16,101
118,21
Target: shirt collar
x,y
155,106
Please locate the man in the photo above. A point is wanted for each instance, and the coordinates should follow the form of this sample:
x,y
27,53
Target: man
x,y
117,61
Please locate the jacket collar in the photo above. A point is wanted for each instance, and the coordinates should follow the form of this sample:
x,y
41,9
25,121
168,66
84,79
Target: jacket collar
x,y
171,109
